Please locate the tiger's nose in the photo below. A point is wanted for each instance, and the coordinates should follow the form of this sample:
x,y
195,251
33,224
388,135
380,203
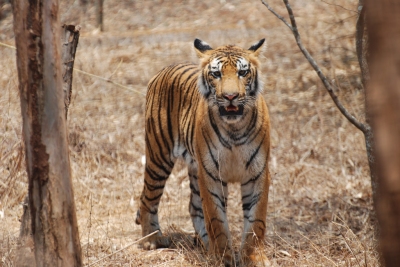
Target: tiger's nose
x,y
231,97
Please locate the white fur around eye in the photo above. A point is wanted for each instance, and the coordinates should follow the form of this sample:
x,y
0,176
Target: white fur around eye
x,y
204,89
242,64
215,65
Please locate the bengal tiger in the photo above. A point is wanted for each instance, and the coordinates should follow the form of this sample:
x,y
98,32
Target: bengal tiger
x,y
213,116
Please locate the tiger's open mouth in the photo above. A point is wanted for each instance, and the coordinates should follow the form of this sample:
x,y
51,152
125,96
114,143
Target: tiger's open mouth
x,y
231,110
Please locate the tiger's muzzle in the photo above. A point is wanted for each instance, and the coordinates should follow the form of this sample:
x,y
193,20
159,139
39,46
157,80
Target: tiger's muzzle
x,y
232,108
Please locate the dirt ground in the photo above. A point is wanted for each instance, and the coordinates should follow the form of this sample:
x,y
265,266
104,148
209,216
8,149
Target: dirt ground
x,y
320,206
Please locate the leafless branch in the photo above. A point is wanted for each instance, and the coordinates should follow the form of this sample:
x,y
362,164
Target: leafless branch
x,y
127,246
339,6
293,27
277,15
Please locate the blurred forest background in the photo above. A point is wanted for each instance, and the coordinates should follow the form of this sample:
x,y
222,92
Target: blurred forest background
x,y
320,206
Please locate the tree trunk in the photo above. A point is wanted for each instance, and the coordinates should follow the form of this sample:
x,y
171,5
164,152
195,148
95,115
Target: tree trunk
x,y
362,55
51,200
383,99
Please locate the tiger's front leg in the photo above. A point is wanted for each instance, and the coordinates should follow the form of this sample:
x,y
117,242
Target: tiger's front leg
x,y
214,194
254,201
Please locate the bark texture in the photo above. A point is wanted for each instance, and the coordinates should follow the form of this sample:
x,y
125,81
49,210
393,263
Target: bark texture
x,y
362,45
383,100
69,41
51,201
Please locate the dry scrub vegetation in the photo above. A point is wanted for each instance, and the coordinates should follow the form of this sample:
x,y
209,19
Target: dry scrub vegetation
x,y
320,208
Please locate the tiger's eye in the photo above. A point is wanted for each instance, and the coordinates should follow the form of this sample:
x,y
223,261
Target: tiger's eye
x,y
243,72
216,74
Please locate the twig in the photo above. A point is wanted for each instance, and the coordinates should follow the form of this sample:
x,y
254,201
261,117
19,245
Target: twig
x,y
8,46
293,27
92,75
317,250
119,64
115,252
90,227
277,15
110,81
352,252
339,6
287,243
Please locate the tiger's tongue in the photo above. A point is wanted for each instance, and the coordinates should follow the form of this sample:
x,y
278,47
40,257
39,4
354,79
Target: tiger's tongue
x,y
231,108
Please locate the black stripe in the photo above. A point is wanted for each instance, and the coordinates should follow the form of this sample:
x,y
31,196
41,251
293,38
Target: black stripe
x,y
161,154
246,196
211,176
257,220
205,85
153,198
191,126
222,201
254,153
147,208
250,127
189,119
153,187
216,219
155,224
155,160
208,141
254,201
155,176
197,215
216,130
255,178
256,134
196,208
194,105
194,190
256,89
222,233
169,107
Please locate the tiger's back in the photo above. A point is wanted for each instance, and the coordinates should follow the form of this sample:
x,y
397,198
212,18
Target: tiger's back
x,y
171,103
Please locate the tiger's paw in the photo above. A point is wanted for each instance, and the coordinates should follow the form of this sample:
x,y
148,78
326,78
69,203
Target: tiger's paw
x,y
156,241
257,260
229,260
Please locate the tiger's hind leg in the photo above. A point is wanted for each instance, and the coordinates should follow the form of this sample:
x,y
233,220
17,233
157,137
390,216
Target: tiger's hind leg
x,y
196,209
156,174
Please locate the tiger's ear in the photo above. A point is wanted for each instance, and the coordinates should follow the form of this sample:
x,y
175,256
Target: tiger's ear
x,y
201,48
255,49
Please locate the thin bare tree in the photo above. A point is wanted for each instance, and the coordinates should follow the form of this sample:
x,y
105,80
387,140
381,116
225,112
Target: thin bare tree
x,y
51,200
364,127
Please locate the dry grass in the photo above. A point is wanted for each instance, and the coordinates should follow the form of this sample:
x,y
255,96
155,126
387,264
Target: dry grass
x,y
320,208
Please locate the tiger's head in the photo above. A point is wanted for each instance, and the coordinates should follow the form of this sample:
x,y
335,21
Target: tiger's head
x,y
229,78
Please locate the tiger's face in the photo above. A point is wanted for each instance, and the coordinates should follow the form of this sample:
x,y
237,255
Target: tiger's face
x,y
229,78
